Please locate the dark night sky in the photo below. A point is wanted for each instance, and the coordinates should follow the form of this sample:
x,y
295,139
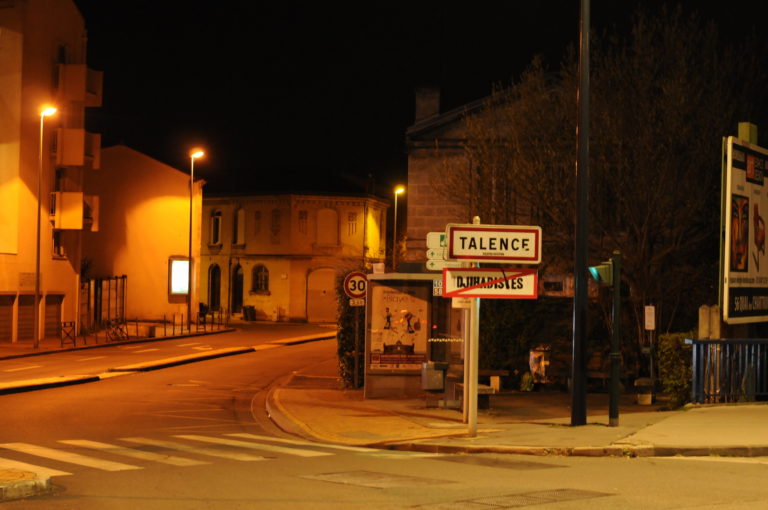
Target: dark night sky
x,y
313,95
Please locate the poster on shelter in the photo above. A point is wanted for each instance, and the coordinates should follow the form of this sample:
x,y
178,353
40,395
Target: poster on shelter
x,y
399,327
745,273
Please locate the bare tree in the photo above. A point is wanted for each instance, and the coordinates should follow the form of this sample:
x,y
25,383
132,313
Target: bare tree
x,y
662,99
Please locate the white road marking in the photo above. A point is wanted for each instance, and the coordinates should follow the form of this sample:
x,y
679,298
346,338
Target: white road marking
x,y
256,446
23,466
19,369
187,345
130,452
146,350
212,452
91,358
303,443
71,458
203,348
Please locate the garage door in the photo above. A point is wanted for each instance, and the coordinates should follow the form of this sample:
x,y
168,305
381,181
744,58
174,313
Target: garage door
x,y
26,317
53,315
6,317
321,296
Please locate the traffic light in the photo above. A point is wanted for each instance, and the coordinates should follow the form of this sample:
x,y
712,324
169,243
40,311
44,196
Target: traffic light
x,y
603,273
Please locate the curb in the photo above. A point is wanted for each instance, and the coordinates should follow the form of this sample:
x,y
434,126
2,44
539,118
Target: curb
x,y
112,344
48,382
590,451
304,339
18,484
181,360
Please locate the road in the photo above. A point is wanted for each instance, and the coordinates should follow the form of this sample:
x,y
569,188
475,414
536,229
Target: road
x,y
196,436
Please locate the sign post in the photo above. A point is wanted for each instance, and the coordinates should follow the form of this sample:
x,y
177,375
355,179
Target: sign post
x,y
356,287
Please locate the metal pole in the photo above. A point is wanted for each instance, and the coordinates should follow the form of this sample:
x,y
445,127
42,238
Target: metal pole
x,y
613,406
36,332
578,368
356,366
189,276
394,238
474,353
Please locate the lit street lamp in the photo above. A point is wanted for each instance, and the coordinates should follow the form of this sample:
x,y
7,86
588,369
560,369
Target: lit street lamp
x,y
193,155
398,190
45,111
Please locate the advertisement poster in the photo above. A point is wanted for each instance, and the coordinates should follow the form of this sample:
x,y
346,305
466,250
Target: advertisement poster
x,y
399,327
745,266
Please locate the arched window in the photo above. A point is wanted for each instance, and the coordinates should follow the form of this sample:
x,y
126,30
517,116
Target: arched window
x,y
260,279
215,234
214,287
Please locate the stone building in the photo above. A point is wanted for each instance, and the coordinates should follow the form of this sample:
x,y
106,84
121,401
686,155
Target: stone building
x,y
278,257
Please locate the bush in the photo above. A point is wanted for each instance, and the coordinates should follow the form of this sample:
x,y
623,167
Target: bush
x,y
674,362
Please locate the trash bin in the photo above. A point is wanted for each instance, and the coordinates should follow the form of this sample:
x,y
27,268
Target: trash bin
x,y
433,376
644,390
249,313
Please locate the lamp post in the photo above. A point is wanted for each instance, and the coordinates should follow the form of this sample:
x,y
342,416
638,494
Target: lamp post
x,y
193,155
45,111
398,190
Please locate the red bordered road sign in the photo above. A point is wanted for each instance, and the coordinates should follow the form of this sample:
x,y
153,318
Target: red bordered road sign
x,y
355,284
485,282
494,243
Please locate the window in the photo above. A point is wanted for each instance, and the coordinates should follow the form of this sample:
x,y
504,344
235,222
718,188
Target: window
x,y
303,216
215,234
260,279
274,228
256,223
58,245
238,227
351,223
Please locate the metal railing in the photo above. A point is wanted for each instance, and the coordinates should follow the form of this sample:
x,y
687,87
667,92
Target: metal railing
x,y
732,370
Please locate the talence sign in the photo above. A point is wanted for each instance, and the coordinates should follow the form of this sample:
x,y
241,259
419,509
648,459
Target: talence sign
x,y
510,244
490,283
745,261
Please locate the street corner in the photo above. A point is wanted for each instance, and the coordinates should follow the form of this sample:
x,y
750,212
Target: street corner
x,y
20,484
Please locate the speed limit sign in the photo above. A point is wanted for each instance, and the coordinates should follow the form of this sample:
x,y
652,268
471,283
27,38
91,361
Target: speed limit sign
x,y
355,284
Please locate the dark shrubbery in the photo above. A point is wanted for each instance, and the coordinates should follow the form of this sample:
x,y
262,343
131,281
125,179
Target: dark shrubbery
x,y
674,361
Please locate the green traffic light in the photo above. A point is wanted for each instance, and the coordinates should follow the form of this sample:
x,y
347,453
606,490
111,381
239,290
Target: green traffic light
x,y
602,273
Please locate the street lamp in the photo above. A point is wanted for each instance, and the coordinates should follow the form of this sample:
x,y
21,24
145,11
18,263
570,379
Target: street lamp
x,y
193,155
398,190
45,111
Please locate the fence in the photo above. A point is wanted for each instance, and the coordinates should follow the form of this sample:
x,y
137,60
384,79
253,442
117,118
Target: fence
x,y
733,370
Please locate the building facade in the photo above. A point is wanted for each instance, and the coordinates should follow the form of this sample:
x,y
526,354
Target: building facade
x,y
43,62
143,232
277,257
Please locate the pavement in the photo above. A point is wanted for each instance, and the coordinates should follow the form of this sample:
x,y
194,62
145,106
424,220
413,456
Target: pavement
x,y
312,404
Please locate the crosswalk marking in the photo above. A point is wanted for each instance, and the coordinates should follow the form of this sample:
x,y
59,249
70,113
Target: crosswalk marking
x,y
256,446
137,454
41,471
303,443
71,458
212,452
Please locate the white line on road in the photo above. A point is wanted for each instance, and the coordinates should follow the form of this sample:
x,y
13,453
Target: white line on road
x,y
91,358
147,350
203,348
256,446
28,367
130,452
302,443
187,345
23,466
212,452
72,458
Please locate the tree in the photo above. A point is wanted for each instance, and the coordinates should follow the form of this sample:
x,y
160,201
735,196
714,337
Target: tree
x,y
662,99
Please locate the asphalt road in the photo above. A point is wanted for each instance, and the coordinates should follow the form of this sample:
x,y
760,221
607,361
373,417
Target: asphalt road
x,y
196,436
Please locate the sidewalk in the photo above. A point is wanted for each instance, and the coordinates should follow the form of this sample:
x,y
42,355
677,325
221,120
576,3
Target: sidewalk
x,y
535,423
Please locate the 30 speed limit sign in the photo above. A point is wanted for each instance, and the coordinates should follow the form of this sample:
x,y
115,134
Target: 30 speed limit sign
x,y
355,284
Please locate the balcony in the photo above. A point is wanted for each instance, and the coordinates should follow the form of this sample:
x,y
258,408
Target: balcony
x,y
76,147
79,84
71,210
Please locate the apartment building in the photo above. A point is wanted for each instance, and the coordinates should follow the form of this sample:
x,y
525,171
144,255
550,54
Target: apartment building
x,y
43,163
